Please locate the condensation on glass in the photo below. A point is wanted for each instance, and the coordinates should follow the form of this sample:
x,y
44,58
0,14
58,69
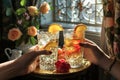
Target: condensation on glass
x,y
76,11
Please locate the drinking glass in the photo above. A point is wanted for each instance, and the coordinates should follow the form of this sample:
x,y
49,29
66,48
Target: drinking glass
x,y
48,41
73,52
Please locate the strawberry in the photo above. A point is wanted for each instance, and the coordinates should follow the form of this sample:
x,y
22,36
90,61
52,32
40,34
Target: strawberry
x,y
76,47
61,54
62,66
60,51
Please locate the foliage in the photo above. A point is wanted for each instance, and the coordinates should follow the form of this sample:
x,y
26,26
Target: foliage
x,y
26,23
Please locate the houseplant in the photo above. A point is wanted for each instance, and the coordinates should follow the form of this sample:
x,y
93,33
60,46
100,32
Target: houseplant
x,y
24,30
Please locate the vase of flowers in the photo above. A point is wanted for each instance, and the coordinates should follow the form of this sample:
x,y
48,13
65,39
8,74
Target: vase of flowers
x,y
24,30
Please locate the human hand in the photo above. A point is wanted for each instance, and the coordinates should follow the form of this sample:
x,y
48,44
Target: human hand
x,y
29,61
92,52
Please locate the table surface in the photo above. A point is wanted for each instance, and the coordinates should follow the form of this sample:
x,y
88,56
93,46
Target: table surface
x,y
53,75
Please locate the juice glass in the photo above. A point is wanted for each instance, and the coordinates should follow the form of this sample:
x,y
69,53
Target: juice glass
x,y
73,52
48,41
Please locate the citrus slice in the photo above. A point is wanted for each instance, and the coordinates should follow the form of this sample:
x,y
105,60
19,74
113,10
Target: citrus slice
x,y
68,42
50,45
80,27
54,28
79,31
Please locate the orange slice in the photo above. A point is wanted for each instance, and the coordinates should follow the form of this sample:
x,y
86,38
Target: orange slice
x,y
54,28
68,42
50,45
79,31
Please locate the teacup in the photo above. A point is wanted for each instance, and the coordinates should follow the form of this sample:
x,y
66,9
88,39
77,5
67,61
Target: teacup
x,y
13,53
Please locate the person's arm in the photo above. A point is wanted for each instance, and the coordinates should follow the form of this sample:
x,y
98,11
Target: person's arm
x,y
107,63
94,54
8,70
115,70
21,66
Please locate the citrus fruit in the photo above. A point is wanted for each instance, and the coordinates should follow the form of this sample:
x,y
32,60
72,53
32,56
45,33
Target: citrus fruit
x,y
50,45
54,28
68,42
79,31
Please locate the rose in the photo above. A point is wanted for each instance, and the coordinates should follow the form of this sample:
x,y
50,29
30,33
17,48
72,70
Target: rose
x,y
44,8
32,31
33,10
14,34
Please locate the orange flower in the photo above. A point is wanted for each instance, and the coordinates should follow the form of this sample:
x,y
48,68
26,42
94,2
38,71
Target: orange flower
x,y
33,10
44,8
14,34
32,31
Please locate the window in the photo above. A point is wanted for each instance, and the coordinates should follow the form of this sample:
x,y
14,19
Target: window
x,y
89,12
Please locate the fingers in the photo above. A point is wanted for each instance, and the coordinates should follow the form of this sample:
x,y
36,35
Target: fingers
x,y
86,44
39,51
89,41
43,52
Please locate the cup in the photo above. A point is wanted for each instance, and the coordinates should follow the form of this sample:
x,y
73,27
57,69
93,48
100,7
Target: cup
x,y
13,53
73,52
48,41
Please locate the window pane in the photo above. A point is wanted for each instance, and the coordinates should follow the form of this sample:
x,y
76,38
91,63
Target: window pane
x,y
76,11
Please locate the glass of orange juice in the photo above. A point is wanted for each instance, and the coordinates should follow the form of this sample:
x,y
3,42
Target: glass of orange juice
x,y
48,41
73,52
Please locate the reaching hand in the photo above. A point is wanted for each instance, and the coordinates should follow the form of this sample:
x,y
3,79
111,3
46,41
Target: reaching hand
x,y
29,61
95,55
92,52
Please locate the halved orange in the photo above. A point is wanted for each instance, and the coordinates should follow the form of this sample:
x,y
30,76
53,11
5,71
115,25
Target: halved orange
x,y
79,31
54,28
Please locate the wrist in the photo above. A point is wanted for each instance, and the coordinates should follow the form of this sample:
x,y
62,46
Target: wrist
x,y
106,63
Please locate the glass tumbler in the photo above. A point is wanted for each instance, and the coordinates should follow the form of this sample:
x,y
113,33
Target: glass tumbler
x,y
73,52
48,41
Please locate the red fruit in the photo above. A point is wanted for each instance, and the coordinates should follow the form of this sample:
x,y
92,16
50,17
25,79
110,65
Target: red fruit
x,y
62,66
60,51
77,47
61,54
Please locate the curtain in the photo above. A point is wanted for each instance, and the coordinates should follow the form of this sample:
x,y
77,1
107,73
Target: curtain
x,y
110,33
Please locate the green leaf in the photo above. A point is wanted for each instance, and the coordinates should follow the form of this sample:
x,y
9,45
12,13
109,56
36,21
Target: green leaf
x,y
8,11
33,40
37,26
20,11
23,2
51,7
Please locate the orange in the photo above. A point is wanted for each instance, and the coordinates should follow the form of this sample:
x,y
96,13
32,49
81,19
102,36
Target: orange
x,y
68,42
80,27
54,28
79,31
50,45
